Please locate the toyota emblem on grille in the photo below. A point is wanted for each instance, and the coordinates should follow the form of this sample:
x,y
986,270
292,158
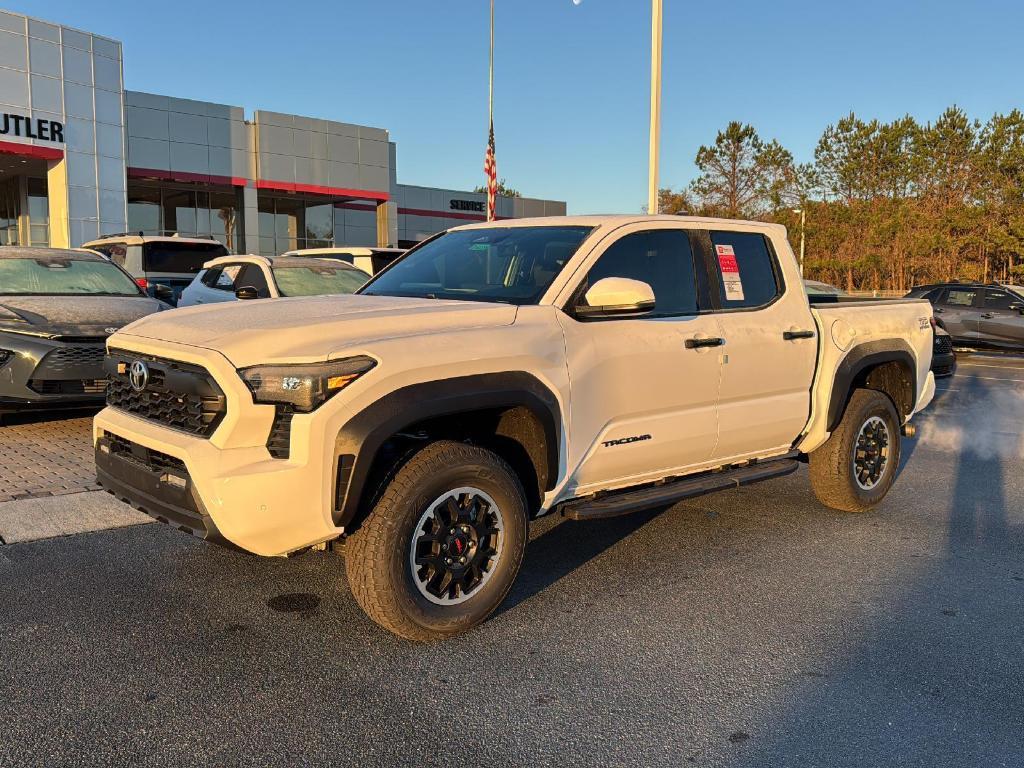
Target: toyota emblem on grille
x,y
138,375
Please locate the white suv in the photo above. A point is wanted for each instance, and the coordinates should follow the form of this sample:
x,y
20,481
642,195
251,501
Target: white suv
x,y
260,277
370,260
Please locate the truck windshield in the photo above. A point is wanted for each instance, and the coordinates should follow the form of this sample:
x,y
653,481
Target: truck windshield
x,y
57,276
514,265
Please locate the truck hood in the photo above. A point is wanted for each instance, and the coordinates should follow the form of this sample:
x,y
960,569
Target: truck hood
x,y
55,316
310,328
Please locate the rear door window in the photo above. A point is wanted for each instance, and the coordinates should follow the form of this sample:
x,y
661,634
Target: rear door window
x,y
663,259
746,269
960,297
116,252
179,258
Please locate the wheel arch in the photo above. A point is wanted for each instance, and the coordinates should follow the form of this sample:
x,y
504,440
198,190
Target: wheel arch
x,y
513,413
887,366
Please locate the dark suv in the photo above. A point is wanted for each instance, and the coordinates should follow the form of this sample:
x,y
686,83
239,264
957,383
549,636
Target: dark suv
x,y
976,314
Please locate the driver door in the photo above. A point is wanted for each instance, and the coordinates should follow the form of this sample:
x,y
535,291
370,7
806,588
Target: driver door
x,y
644,402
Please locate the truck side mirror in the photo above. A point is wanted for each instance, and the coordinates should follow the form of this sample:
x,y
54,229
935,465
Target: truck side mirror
x,y
1018,306
247,292
616,297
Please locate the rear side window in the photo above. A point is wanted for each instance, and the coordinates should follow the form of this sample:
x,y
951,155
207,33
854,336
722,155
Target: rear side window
x,y
179,258
116,252
661,258
960,297
747,276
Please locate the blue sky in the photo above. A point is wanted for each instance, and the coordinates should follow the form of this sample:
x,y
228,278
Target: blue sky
x,y
571,81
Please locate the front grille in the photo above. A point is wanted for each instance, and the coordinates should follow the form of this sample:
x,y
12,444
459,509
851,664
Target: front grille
x,y
178,395
147,457
943,345
67,387
67,362
279,441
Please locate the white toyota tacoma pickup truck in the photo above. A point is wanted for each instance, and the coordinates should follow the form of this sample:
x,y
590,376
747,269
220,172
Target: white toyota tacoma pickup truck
x,y
589,366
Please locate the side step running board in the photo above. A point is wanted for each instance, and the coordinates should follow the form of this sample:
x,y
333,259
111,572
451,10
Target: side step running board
x,y
626,501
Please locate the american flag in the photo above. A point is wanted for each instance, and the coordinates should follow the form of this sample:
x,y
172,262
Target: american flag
x,y
491,169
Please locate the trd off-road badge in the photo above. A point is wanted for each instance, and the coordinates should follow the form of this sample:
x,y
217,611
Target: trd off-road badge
x,y
625,440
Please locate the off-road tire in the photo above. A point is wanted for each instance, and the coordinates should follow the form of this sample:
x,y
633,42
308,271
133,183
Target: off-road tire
x,y
832,464
377,554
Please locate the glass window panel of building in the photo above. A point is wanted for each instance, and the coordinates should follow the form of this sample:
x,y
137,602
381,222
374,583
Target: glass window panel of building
x,y
38,212
288,223
166,210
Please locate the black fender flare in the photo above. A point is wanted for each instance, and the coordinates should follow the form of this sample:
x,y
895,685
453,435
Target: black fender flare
x,y
861,358
363,435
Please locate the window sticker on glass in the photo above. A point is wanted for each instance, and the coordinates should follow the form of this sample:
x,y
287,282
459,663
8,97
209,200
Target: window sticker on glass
x,y
730,272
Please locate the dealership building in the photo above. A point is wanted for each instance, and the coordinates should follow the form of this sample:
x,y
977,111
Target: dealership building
x,y
82,157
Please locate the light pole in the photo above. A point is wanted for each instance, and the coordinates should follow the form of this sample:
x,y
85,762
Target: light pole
x,y
652,158
803,225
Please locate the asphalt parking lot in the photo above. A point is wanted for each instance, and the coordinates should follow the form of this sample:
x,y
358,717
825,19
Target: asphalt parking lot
x,y
749,628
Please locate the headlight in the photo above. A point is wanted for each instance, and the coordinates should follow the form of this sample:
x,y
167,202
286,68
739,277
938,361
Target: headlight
x,y
306,386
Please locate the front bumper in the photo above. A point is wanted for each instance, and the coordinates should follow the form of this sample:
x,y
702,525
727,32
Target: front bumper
x,y
154,483
41,372
944,364
258,503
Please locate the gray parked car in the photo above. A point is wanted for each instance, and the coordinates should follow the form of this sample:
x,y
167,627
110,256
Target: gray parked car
x,y
57,308
976,314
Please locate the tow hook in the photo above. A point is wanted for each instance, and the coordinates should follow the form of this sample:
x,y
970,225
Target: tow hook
x,y
909,430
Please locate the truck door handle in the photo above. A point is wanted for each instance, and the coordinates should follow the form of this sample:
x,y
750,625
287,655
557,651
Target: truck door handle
x,y
938,311
790,335
697,343
987,315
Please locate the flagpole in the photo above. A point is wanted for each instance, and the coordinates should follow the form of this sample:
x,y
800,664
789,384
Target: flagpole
x,y
652,172
490,103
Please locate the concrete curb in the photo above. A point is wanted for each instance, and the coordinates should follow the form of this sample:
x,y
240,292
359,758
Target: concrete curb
x,y
27,520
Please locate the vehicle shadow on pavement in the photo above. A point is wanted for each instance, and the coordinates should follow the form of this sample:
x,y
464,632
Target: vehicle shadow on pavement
x,y
930,660
567,546
38,417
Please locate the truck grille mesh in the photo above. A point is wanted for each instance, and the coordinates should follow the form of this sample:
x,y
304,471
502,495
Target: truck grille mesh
x,y
178,395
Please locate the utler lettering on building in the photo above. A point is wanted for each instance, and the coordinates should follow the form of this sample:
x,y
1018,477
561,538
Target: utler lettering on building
x,y
20,125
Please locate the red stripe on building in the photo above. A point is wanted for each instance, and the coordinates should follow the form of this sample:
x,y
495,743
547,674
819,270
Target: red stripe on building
x,y
30,150
316,189
185,176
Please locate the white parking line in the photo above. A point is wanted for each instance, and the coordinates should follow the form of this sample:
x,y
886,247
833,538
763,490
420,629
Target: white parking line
x,y
1001,367
997,378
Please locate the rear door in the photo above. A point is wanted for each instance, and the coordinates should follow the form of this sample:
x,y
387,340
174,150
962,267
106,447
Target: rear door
x,y
770,347
957,311
1001,321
